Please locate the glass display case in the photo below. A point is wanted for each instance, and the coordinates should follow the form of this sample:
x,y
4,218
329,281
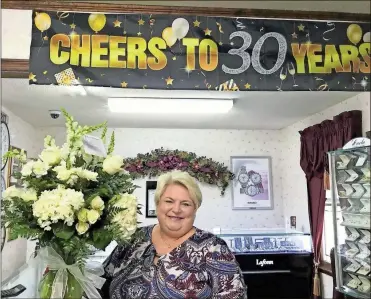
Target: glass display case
x,y
267,241
275,263
350,189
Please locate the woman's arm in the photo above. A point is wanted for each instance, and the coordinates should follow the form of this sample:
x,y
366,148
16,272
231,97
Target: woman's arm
x,y
225,273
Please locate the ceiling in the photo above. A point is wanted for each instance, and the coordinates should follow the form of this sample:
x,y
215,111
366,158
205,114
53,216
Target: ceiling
x,y
16,24
252,110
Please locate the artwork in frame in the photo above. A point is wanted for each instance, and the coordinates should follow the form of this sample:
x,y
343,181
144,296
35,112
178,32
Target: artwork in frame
x,y
150,199
252,185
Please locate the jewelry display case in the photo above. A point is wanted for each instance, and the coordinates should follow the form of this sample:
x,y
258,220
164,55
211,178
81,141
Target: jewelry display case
x,y
275,263
350,189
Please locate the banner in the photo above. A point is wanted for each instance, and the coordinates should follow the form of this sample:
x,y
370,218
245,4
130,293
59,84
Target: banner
x,y
198,52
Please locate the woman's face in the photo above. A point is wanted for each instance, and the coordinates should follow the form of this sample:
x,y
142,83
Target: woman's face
x,y
176,211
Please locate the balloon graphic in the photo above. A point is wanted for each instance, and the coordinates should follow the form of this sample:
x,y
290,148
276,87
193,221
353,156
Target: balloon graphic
x,y
42,21
354,33
97,21
367,37
180,28
168,36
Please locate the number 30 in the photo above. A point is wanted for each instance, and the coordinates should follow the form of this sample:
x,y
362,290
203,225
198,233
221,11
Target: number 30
x,y
246,60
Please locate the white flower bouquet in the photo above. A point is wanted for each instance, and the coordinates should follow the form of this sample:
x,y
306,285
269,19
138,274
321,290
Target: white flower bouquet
x,y
72,203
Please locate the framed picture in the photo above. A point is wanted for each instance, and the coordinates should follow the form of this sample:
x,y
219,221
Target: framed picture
x,y
150,199
252,186
14,166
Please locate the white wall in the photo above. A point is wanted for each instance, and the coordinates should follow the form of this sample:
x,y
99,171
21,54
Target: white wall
x,y
22,135
218,145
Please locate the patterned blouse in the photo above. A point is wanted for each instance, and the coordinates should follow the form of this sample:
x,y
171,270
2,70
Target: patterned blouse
x,y
202,267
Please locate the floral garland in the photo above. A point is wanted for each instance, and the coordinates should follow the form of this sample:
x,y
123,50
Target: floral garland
x,y
158,161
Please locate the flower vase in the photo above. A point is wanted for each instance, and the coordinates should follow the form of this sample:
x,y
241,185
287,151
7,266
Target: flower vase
x,y
73,289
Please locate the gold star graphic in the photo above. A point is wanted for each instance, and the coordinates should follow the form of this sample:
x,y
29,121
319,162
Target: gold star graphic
x,y
294,35
139,33
32,77
124,84
207,31
73,26
174,58
247,86
301,27
169,81
117,23
45,37
196,23
141,22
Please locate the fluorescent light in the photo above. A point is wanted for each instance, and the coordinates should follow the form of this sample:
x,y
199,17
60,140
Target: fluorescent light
x,y
178,106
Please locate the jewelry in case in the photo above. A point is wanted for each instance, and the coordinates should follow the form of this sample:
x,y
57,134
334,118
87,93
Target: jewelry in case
x,y
366,238
365,286
354,235
352,267
354,282
352,252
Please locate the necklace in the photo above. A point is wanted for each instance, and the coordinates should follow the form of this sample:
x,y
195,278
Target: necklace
x,y
166,243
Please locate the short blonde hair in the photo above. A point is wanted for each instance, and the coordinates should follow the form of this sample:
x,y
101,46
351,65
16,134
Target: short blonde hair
x,y
181,178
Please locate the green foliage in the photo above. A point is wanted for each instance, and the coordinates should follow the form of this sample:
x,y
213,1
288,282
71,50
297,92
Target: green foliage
x,y
63,231
111,146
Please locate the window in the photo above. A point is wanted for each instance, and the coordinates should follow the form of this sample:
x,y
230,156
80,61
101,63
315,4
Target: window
x,y
328,239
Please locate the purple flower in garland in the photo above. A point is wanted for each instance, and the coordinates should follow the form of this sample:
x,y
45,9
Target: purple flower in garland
x,y
161,160
151,164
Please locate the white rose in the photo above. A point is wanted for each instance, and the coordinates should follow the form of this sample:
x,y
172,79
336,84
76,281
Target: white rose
x,y
11,192
112,164
82,227
93,216
27,168
29,195
82,215
40,168
51,155
97,203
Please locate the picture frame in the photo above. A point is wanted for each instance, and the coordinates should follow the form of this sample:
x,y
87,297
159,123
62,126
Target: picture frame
x,y
252,186
14,166
150,199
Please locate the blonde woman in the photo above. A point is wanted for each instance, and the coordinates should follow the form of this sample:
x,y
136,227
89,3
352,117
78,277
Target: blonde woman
x,y
176,259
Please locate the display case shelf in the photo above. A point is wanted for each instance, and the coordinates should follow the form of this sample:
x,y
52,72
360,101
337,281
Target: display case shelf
x,y
350,188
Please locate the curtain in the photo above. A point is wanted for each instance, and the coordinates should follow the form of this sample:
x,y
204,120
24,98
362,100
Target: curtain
x,y
316,141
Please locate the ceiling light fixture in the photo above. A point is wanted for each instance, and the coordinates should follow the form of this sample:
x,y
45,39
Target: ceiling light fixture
x,y
164,106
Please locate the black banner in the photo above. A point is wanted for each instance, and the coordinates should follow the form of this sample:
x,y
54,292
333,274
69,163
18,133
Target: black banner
x,y
198,52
